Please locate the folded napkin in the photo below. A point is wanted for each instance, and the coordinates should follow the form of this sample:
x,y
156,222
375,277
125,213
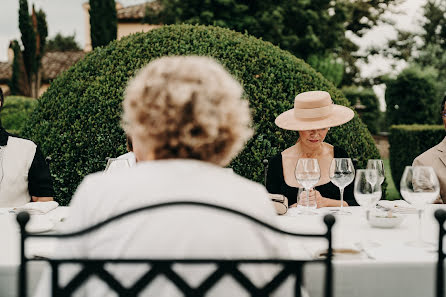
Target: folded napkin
x,y
37,207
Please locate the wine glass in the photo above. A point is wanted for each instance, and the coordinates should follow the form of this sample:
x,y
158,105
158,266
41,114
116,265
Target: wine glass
x,y
307,174
379,166
367,191
115,163
342,173
419,186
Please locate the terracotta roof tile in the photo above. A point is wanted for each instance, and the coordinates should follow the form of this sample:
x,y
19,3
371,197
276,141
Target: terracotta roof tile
x,y
53,64
5,71
136,12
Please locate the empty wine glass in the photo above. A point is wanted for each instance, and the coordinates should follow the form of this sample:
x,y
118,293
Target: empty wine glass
x,y
367,189
342,173
419,186
307,174
378,165
115,163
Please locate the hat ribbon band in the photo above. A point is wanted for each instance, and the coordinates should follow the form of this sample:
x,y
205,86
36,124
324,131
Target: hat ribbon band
x,y
310,113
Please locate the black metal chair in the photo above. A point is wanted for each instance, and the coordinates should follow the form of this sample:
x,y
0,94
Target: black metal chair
x,y
95,267
440,215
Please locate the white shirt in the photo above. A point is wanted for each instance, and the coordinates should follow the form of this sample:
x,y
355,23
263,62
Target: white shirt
x,y
17,158
180,232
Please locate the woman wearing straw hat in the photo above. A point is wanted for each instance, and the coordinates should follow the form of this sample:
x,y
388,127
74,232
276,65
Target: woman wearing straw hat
x,y
312,116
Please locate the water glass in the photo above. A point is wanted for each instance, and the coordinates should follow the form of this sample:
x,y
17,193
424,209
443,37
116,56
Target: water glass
x,y
378,165
307,174
419,186
367,189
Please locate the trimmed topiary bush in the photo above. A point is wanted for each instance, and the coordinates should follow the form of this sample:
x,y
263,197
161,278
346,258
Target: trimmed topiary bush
x,y
16,112
77,120
409,141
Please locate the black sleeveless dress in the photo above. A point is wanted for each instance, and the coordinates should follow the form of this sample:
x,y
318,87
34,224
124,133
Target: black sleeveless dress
x,y
275,182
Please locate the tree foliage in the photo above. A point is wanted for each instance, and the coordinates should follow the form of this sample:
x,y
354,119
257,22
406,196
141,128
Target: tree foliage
x,y
26,78
60,43
103,22
305,28
366,104
412,97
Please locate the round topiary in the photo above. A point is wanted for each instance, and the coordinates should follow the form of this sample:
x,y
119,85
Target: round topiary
x,y
77,119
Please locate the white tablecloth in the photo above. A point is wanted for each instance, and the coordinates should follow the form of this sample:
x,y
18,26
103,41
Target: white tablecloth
x,y
397,270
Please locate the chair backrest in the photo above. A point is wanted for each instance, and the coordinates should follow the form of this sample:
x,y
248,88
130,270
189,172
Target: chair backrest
x,y
95,267
440,215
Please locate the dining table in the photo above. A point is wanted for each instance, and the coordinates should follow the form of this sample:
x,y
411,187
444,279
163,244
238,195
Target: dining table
x,y
381,261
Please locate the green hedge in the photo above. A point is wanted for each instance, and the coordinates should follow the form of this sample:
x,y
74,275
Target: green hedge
x,y
77,120
15,113
370,115
409,141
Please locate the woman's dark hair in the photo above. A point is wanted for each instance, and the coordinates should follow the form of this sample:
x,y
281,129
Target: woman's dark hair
x,y
442,103
129,144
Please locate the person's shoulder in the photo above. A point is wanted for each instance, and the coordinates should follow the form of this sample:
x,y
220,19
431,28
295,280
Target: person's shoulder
x,y
15,139
425,158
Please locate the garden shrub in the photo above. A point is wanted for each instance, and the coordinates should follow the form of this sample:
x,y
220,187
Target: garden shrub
x,y
15,113
409,141
77,121
370,115
412,98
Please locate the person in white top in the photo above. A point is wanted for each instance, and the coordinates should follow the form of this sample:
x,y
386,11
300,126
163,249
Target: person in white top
x,y
186,118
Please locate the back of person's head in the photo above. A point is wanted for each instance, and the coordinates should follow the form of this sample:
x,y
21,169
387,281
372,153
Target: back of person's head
x,y
186,107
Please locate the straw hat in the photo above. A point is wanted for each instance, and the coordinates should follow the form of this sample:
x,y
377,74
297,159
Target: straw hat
x,y
314,110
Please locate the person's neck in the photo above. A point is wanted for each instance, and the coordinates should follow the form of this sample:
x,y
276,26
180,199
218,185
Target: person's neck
x,y
309,152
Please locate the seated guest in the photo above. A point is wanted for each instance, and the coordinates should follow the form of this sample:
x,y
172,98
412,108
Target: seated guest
x,y
435,157
24,173
186,119
313,115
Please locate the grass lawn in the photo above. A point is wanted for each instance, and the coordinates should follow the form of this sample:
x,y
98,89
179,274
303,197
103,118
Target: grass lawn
x,y
392,192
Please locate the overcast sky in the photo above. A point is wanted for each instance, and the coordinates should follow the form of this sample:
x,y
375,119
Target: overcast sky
x,y
66,16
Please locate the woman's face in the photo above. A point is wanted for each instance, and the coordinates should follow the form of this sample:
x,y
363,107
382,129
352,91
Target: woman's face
x,y
313,138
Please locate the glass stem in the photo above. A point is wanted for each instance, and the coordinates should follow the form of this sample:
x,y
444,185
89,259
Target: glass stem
x,y
342,197
308,199
420,215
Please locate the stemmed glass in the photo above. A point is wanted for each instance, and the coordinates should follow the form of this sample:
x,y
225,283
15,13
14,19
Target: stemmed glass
x,y
367,191
342,173
307,174
378,165
115,163
419,186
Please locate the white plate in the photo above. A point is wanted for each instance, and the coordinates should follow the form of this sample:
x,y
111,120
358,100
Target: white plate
x,y
39,223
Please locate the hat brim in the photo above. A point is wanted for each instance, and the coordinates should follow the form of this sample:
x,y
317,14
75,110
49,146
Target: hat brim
x,y
339,115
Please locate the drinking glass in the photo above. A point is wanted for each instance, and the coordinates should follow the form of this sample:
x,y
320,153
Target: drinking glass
x,y
379,166
419,186
342,173
115,163
307,174
367,189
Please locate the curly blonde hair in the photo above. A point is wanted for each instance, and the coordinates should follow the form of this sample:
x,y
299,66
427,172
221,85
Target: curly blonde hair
x,y
187,107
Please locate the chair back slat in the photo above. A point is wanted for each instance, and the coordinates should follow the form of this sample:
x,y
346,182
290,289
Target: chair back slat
x,y
440,215
226,267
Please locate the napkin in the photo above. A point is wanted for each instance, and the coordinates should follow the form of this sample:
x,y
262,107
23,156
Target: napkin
x,y
37,207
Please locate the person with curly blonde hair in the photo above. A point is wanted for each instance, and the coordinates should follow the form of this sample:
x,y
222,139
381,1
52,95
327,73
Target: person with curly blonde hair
x,y
186,118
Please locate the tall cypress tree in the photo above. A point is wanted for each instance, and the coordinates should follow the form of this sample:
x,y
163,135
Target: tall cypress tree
x,y
26,78
103,22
